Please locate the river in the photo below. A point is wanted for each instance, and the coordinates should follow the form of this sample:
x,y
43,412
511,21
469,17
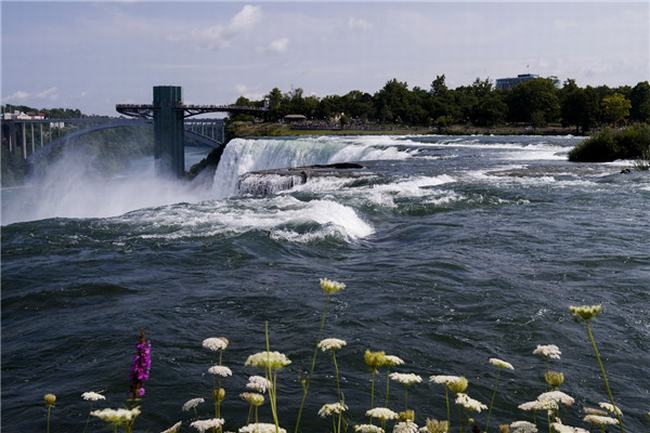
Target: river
x,y
453,249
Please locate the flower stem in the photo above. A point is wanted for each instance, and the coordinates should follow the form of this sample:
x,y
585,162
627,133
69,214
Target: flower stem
x,y
387,386
338,380
305,388
49,412
602,372
272,376
447,402
406,398
372,388
88,419
494,394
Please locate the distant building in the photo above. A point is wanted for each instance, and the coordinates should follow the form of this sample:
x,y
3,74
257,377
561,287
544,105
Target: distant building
x,y
19,115
294,118
509,83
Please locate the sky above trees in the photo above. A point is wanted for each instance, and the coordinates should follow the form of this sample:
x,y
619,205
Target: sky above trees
x,y
94,55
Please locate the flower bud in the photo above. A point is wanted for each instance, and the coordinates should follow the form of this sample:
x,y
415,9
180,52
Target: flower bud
x,y
407,415
504,428
458,385
554,378
50,399
219,394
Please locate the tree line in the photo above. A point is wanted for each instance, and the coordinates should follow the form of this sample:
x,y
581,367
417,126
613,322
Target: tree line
x,y
536,102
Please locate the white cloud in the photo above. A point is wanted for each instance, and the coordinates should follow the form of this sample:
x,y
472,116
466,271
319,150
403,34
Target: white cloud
x,y
21,95
358,24
279,45
221,36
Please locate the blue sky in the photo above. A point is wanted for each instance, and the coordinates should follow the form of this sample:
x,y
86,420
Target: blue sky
x,y
94,55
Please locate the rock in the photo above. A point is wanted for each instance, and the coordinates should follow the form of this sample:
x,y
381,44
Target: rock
x,y
626,171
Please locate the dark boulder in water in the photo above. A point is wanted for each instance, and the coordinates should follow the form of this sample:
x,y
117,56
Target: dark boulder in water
x,y
209,162
266,182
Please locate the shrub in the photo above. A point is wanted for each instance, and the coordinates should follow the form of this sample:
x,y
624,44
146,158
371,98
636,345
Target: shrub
x,y
610,144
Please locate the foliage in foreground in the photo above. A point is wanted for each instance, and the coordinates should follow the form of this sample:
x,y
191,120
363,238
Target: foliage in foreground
x,y
461,411
610,145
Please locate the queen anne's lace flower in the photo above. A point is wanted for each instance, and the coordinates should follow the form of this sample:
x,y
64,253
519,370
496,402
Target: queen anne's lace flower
x,y
435,426
220,370
382,413
600,420
469,403
499,363
538,405
252,398
374,360
117,416
368,428
561,428
585,312
260,428
332,409
202,425
407,426
406,379
272,360
443,380
610,408
331,344
191,404
557,397
523,427
331,287
215,343
173,429
92,396
548,351
393,361
259,384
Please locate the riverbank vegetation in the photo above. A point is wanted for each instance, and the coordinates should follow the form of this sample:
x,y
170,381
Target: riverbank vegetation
x,y
385,409
532,104
612,144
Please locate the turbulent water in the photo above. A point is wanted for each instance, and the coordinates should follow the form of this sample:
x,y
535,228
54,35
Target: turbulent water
x,y
454,250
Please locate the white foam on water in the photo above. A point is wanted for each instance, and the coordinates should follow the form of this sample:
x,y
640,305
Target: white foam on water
x,y
245,155
278,215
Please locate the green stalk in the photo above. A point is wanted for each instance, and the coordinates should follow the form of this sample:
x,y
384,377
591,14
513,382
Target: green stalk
x,y
603,373
387,386
271,376
305,388
49,412
447,401
372,388
88,419
548,420
494,394
460,420
406,398
338,380
250,412
333,425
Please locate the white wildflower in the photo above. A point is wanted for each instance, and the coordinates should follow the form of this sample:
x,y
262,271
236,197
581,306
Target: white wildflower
x,y
561,428
215,343
272,360
203,425
259,384
382,413
600,420
220,370
523,427
610,408
331,287
406,379
539,405
117,416
594,411
393,361
191,404
548,351
499,363
92,396
173,429
469,403
368,428
253,398
407,426
332,409
557,397
444,380
260,428
585,312
331,344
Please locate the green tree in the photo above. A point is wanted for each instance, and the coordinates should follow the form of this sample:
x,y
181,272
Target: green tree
x,y
640,99
533,96
615,108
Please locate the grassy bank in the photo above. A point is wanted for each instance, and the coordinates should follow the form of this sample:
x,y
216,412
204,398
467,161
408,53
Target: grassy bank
x,y
272,129
612,144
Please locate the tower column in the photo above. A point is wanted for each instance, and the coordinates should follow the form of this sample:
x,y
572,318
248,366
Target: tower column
x,y
169,146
